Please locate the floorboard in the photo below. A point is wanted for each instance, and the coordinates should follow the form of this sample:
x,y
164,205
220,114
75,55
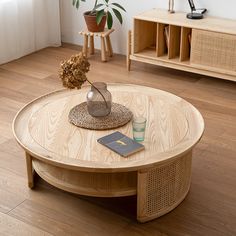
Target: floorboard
x,y
13,227
210,206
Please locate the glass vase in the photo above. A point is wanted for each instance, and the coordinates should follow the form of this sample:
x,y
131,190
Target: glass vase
x,y
99,100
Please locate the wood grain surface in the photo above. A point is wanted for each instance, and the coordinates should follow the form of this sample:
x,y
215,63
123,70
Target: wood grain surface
x,y
214,24
14,227
210,206
174,126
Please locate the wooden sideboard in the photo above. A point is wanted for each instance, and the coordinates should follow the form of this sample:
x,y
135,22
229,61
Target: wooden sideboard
x,y
206,46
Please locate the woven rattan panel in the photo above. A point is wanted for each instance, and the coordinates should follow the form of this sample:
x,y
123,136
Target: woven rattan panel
x,y
213,49
165,186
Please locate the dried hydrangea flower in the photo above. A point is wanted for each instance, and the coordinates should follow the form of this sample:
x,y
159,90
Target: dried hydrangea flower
x,y
73,71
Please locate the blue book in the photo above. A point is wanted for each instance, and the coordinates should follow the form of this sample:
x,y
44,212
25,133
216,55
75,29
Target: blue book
x,y
121,144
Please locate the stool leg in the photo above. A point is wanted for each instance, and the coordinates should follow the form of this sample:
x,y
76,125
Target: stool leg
x,y
85,47
91,46
103,49
109,47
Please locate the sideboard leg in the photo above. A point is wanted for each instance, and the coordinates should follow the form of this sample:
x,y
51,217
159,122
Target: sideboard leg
x,y
30,170
128,61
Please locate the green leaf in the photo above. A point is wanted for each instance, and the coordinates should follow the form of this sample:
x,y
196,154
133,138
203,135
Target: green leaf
x,y
109,20
77,4
118,15
98,6
107,1
99,16
119,6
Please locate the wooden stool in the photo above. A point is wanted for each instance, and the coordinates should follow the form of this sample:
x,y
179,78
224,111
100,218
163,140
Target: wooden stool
x,y
105,43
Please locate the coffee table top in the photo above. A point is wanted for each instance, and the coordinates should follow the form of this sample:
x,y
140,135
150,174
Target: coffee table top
x,y
174,126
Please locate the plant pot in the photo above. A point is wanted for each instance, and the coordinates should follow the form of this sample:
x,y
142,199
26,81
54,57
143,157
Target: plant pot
x,y
92,24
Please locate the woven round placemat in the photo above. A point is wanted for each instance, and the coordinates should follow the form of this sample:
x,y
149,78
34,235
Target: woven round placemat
x,y
119,116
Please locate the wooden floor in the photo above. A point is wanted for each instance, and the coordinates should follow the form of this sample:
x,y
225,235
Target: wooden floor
x,y
209,208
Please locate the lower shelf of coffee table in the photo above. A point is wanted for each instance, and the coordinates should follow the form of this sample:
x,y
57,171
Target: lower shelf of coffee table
x,y
86,183
159,189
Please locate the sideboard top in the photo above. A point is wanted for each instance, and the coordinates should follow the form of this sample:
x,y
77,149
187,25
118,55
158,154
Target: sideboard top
x,y
179,19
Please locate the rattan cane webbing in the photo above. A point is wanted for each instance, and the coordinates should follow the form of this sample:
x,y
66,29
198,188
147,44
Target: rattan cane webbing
x,y
167,185
213,49
119,116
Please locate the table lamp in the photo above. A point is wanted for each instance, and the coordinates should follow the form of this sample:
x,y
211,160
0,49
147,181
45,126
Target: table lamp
x,y
194,15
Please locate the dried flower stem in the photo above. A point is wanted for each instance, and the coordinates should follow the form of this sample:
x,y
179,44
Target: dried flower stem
x,y
73,73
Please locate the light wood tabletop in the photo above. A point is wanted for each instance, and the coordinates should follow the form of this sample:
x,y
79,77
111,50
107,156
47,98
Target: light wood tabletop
x,y
71,158
173,126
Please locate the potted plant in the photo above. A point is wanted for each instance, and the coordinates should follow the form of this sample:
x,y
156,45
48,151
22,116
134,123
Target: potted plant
x,y
101,14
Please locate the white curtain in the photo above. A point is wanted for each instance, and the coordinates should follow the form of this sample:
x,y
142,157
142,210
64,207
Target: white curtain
x,y
27,26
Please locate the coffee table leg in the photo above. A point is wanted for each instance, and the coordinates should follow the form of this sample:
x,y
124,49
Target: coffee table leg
x,y
162,188
30,170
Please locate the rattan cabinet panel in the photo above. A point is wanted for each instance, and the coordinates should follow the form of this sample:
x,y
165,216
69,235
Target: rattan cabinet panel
x,y
213,49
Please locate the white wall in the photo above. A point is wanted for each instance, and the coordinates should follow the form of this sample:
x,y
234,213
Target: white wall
x,y
72,20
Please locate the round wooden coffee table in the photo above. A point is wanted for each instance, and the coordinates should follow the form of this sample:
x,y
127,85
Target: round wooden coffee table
x,y
71,159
